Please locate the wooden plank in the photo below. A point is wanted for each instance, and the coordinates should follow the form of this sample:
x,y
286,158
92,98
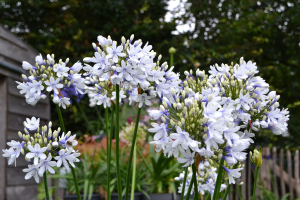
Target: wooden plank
x,y
289,160
296,171
282,184
22,192
12,135
15,121
274,152
15,176
286,179
3,123
18,105
249,185
12,89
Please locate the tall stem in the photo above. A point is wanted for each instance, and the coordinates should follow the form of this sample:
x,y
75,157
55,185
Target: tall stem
x,y
255,181
108,153
171,59
219,180
46,185
133,173
190,189
131,152
184,181
227,191
117,142
195,181
72,169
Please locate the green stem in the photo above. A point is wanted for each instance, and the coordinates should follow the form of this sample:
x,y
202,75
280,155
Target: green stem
x,y
108,153
60,119
190,189
171,59
184,181
76,183
131,152
72,169
133,173
255,181
208,197
195,181
46,185
219,180
227,191
117,142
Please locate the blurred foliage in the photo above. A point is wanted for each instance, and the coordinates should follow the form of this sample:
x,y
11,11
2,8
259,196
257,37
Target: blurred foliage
x,y
266,32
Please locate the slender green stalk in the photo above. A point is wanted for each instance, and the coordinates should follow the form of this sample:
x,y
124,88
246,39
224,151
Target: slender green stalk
x,y
108,153
171,59
219,180
46,185
72,169
117,142
133,173
255,181
208,197
60,119
227,192
195,181
190,189
131,153
184,181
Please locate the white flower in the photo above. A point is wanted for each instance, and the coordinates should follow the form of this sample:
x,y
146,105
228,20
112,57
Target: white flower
x,y
32,124
160,131
11,154
36,153
46,165
188,158
121,95
36,86
65,157
26,65
32,171
64,101
61,70
233,173
53,85
181,138
114,52
76,67
143,98
102,40
39,60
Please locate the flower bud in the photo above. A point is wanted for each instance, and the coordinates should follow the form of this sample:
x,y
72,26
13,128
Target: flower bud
x,y
172,50
68,134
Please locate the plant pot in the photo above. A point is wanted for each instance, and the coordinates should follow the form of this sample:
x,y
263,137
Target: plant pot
x,y
74,197
137,196
165,196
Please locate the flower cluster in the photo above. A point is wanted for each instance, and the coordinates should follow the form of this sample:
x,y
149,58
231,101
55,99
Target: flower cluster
x,y
215,115
206,179
38,145
130,66
48,76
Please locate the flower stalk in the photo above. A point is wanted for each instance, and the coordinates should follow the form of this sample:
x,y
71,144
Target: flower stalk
x,y
108,152
184,181
72,168
117,142
219,180
131,152
46,186
133,173
256,159
195,181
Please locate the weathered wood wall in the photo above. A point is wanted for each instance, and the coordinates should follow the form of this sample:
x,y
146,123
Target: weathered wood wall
x,y
14,111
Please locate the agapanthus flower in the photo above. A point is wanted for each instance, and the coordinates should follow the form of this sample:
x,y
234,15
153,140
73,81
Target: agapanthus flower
x,y
132,67
38,146
50,77
216,116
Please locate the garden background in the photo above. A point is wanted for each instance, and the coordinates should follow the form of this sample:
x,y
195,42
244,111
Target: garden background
x,y
203,32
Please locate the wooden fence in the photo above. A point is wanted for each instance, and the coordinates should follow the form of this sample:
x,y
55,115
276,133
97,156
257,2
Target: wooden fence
x,y
277,174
